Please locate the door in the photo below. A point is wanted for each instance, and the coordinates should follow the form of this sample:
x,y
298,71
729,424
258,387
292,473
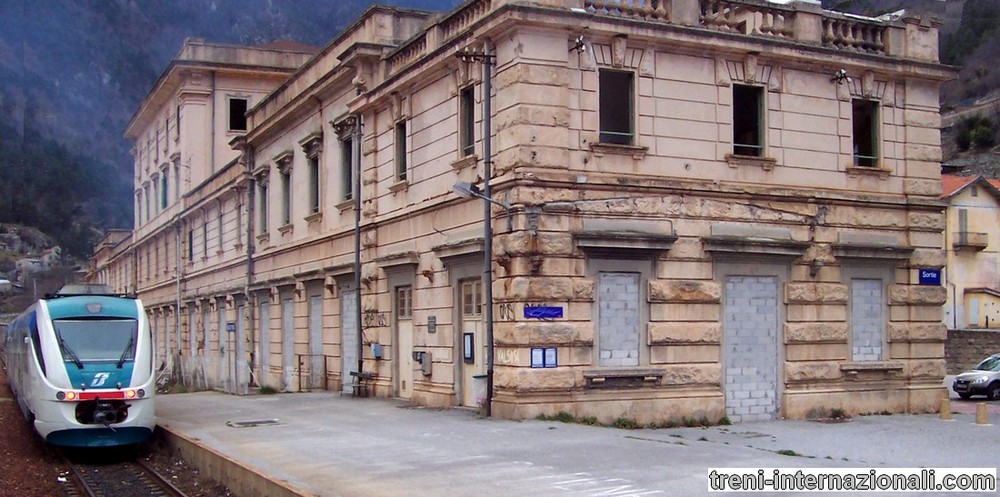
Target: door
x,y
237,352
264,344
219,360
316,369
287,344
348,337
973,312
404,341
750,347
471,345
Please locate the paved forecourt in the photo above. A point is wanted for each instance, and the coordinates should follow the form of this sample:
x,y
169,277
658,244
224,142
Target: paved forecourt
x,y
324,444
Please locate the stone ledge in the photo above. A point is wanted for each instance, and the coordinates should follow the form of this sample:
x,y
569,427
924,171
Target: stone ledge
x,y
623,378
636,152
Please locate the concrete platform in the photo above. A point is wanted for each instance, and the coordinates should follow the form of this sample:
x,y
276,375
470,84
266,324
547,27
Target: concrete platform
x,y
327,445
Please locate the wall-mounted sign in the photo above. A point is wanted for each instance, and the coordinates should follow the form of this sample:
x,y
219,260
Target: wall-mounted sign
x,y
542,312
231,326
469,348
544,357
432,324
929,277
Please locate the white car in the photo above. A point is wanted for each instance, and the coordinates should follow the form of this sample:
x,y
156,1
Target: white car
x,y
983,380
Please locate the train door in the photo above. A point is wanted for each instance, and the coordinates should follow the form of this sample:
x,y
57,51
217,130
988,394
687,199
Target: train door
x,y
403,314
348,336
472,361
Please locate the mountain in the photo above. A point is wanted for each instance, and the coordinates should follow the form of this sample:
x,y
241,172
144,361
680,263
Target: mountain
x,y
72,72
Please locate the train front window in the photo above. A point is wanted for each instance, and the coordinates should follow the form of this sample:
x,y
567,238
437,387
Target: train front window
x,y
96,340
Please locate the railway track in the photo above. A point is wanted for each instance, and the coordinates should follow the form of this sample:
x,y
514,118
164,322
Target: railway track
x,y
129,478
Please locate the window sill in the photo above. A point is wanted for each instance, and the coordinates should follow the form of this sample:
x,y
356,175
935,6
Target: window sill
x,y
765,163
635,151
263,238
880,172
622,377
315,217
220,252
238,247
399,186
464,162
286,228
346,205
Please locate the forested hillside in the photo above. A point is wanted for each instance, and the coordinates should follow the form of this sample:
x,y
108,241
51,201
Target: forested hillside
x,y
72,72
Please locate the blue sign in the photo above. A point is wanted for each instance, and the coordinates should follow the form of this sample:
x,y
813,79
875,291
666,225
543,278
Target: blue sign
x,y
929,277
542,312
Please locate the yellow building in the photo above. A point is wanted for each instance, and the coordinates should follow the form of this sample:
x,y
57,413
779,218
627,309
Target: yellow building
x,y
972,239
700,209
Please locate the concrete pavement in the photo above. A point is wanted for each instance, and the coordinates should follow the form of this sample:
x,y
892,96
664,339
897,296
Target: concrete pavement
x,y
327,445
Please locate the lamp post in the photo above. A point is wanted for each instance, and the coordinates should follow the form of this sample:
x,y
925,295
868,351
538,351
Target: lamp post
x,y
487,59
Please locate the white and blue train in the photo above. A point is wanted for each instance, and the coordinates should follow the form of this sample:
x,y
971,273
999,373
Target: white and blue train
x,y
80,364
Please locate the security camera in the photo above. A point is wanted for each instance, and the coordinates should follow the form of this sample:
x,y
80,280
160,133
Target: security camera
x,y
840,77
578,45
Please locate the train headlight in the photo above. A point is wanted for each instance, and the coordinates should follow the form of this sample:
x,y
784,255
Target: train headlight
x,y
60,395
129,394
66,395
140,393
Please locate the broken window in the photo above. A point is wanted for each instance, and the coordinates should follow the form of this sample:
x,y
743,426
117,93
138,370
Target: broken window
x,y
865,118
237,114
748,112
616,107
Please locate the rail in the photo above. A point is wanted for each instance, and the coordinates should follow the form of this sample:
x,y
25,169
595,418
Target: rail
x,y
130,478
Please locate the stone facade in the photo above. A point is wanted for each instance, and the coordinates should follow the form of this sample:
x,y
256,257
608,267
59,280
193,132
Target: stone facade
x,y
686,195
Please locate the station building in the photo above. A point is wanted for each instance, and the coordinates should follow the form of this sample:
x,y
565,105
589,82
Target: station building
x,y
700,208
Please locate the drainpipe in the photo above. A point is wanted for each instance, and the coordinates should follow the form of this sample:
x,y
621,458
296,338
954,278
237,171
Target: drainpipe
x,y
251,196
487,224
356,152
177,286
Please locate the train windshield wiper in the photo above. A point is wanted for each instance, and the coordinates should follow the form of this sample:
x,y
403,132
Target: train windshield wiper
x,y
68,352
126,352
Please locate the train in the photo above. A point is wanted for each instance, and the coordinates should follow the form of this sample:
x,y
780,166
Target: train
x,y
80,364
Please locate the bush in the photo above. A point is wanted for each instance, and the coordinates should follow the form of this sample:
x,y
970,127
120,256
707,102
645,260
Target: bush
x,y
982,136
626,423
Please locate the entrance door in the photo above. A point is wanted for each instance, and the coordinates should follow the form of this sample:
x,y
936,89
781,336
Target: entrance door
x,y
404,341
264,344
750,347
238,350
316,369
287,344
471,345
348,337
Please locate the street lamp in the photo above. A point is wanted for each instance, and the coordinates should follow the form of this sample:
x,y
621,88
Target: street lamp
x,y
468,190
